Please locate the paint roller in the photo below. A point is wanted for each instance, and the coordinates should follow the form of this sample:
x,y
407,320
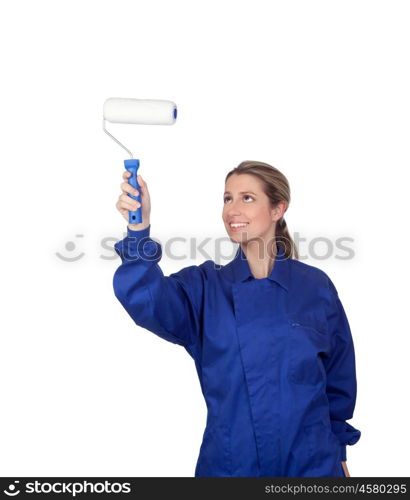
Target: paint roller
x,y
140,112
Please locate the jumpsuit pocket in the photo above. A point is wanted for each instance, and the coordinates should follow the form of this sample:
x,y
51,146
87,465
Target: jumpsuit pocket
x,y
322,445
307,343
215,453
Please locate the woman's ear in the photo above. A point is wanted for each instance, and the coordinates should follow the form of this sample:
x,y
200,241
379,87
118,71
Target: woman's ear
x,y
279,210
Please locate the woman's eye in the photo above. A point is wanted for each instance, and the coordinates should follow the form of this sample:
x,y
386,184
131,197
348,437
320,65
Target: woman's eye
x,y
227,198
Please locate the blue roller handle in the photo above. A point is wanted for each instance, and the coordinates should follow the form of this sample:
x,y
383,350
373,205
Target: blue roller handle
x,y
134,217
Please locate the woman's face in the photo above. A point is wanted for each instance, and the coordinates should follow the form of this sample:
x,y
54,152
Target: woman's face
x,y
246,204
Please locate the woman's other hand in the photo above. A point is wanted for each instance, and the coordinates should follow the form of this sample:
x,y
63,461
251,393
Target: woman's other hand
x,y
345,469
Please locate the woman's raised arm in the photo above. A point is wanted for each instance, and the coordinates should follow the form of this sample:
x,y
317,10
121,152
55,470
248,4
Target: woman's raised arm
x,y
169,306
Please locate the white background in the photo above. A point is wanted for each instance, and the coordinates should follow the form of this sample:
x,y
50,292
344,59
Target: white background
x,y
318,89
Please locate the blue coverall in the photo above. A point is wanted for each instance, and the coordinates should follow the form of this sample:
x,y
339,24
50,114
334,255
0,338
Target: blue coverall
x,y
274,356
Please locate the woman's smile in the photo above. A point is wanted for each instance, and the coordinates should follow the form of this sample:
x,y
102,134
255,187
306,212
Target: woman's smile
x,y
237,226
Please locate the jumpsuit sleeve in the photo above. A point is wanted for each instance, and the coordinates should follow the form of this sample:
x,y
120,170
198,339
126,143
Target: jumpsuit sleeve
x,y
168,306
340,368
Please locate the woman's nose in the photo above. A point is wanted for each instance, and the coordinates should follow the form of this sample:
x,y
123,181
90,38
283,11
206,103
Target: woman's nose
x,y
233,210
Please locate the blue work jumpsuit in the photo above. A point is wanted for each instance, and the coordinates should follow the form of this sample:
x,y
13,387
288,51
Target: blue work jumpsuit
x,y
274,357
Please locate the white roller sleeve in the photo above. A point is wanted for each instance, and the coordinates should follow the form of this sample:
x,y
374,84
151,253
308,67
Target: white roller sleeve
x,y
139,111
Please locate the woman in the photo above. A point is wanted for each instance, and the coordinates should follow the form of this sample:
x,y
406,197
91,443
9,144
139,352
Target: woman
x,y
268,334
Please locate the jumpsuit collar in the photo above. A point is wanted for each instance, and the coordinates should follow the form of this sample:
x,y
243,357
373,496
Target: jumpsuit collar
x,y
280,272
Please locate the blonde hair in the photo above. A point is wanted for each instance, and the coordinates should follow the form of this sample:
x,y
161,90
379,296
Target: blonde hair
x,y
276,187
